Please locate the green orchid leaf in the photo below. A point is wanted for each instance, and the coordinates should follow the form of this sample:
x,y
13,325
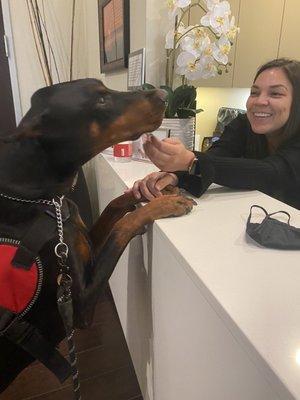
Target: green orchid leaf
x,y
170,112
181,102
184,97
147,86
167,89
185,112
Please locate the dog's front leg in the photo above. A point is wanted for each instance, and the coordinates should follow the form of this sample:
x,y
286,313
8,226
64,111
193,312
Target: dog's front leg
x,y
113,212
122,232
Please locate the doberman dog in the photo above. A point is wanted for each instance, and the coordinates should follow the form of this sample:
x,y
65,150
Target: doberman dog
x,y
67,125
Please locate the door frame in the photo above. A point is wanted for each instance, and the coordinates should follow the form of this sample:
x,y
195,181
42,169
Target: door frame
x,y
12,60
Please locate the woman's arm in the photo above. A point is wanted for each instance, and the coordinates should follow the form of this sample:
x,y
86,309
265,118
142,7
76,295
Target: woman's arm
x,y
269,175
231,144
277,175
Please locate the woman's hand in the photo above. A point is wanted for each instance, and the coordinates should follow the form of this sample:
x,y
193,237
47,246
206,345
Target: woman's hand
x,y
152,185
168,154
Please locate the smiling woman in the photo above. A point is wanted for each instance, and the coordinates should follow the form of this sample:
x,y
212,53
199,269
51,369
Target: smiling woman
x,y
269,104
259,150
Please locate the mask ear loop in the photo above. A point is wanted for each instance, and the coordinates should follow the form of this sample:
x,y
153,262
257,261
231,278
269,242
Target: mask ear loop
x,y
284,212
257,206
268,215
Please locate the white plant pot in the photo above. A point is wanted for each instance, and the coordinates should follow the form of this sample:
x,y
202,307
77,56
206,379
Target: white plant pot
x,y
181,128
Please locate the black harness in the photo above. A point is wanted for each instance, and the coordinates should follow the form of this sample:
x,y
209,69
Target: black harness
x,y
12,324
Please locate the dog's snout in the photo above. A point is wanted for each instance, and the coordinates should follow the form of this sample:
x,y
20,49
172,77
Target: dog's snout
x,y
162,94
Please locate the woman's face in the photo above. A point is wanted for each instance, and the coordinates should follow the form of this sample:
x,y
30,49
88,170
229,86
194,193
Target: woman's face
x,y
269,103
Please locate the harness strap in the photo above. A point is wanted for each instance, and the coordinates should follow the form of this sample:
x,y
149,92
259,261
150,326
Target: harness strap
x,y
40,232
31,340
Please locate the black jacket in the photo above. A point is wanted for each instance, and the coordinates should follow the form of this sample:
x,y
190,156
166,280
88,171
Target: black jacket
x,y
240,160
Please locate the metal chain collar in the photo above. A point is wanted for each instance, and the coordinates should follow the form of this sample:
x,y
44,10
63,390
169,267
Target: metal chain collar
x,y
39,201
61,249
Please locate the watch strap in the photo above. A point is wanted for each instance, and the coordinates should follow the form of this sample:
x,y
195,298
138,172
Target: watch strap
x,y
193,167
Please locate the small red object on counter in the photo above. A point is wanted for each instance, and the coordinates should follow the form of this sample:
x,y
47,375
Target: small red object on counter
x,y
123,151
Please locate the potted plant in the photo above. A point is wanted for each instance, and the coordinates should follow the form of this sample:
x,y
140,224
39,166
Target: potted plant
x,y
193,52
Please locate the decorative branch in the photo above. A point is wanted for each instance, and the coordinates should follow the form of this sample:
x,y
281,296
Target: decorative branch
x,y
36,41
43,21
72,40
37,22
40,32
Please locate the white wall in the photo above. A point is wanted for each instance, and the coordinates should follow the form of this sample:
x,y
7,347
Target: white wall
x,y
156,26
58,16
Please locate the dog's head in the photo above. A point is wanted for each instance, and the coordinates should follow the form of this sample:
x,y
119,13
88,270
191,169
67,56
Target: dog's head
x,y
76,120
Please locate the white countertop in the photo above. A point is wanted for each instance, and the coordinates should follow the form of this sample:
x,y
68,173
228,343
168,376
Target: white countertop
x,y
256,291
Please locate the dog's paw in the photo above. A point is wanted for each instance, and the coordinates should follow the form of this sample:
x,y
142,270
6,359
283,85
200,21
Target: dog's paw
x,y
169,206
170,190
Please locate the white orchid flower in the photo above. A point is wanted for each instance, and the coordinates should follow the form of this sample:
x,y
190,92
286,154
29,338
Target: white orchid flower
x,y
209,69
218,18
221,50
199,32
196,32
182,3
200,49
211,3
188,66
205,20
194,68
197,45
191,45
233,30
175,5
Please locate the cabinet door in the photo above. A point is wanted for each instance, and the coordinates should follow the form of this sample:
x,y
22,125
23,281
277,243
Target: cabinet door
x,y
260,22
289,43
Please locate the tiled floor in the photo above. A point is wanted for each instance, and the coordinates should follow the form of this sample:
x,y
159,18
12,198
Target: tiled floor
x,y
106,371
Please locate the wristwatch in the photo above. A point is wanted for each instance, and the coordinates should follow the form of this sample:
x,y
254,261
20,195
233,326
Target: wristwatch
x,y
193,167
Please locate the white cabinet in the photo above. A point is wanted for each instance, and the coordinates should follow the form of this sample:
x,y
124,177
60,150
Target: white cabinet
x,y
206,313
268,29
260,22
289,41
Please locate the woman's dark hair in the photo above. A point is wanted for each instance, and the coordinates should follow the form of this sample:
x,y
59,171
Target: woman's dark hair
x,y
292,71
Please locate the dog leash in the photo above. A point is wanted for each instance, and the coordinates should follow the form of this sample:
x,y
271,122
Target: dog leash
x,y
64,282
64,295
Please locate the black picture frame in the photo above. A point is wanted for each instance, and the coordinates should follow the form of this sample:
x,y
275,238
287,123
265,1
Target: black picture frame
x,y
114,34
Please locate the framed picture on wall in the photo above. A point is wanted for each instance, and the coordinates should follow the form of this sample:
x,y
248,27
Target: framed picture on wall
x,y
113,34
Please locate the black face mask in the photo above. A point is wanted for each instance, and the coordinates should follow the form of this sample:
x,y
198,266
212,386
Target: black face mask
x,y
273,233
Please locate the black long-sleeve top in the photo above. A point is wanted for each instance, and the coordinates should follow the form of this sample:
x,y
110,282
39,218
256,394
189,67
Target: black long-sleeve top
x,y
241,160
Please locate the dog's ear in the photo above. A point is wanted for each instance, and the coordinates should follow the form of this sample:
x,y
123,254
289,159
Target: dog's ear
x,y
30,126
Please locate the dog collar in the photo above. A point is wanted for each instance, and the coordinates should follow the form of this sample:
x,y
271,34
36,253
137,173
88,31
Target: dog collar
x,y
28,201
